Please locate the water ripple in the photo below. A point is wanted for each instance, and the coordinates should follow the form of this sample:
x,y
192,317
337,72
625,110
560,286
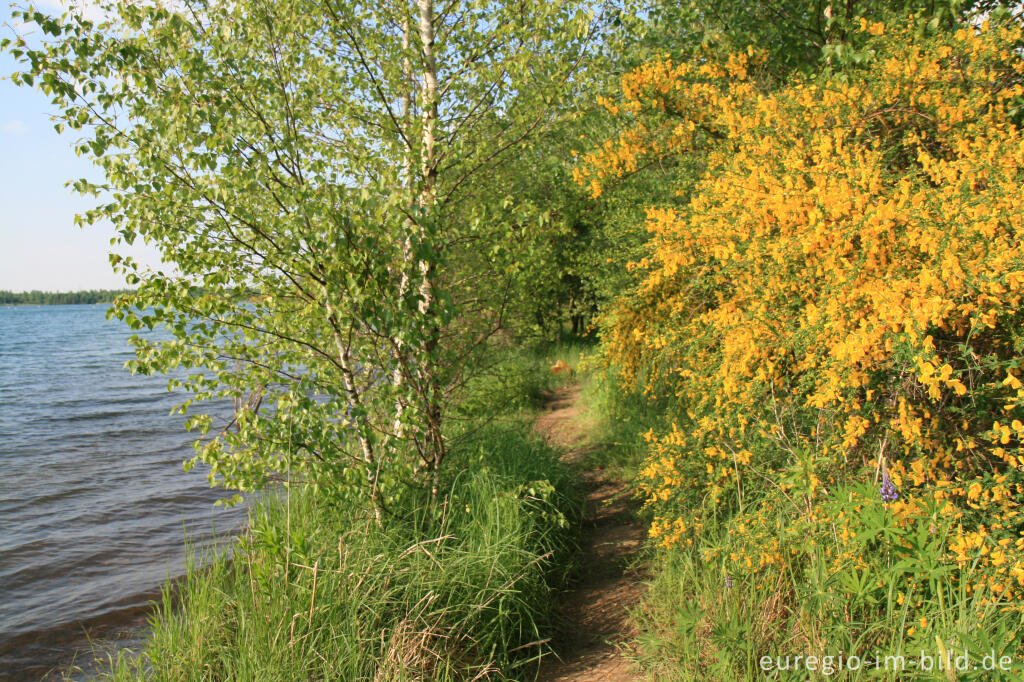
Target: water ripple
x,y
94,503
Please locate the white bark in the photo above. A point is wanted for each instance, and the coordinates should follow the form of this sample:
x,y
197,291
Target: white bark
x,y
428,152
428,198
398,376
355,402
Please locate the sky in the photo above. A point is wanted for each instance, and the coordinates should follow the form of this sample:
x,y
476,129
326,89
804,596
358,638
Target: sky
x,y
40,246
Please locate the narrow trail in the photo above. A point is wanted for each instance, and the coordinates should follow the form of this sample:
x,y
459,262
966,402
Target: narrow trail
x,y
595,621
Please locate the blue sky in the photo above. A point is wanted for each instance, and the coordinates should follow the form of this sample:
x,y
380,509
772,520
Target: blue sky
x,y
40,246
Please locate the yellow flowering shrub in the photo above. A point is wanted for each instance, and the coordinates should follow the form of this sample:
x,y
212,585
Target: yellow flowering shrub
x,y
837,301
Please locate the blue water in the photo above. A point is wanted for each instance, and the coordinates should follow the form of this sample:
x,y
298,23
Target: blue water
x,y
94,504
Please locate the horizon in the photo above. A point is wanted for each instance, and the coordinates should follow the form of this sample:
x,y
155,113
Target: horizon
x,y
65,291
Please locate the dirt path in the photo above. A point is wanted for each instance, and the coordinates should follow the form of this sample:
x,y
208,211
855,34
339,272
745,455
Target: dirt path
x,y
596,625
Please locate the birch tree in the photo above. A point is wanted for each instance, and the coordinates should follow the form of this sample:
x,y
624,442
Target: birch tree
x,y
315,175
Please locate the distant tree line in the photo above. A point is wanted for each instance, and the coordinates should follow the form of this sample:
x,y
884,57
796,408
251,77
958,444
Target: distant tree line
x,y
51,298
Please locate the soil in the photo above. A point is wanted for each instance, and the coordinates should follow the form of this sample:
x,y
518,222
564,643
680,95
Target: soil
x,y
595,640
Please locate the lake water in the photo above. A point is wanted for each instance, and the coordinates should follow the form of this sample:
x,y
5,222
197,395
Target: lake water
x,y
94,505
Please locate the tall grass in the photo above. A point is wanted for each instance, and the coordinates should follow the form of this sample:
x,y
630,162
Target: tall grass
x,y
697,623
887,608
462,591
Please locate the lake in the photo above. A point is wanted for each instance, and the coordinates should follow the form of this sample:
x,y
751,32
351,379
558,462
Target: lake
x,y
94,504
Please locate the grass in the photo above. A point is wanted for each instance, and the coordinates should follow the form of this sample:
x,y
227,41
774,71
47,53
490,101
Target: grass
x,y
459,592
698,623
619,417
520,381
693,627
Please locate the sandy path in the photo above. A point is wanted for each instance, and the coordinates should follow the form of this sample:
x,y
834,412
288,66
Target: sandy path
x,y
596,626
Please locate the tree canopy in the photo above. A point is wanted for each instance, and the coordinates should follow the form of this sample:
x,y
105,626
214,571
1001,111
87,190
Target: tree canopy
x,y
322,177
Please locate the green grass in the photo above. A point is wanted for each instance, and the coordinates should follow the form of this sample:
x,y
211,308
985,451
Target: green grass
x,y
698,623
694,627
466,590
618,419
518,383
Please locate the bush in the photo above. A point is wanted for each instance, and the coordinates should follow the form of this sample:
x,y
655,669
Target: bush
x,y
836,314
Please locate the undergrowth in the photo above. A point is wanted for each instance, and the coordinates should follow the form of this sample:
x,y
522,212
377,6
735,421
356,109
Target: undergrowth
x,y
461,590
879,617
832,312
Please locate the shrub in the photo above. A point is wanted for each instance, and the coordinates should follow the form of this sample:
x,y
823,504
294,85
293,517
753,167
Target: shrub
x,y
836,313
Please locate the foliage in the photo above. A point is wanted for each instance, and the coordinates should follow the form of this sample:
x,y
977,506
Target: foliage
x,y
36,297
837,303
796,36
315,591
800,37
318,176
552,221
815,345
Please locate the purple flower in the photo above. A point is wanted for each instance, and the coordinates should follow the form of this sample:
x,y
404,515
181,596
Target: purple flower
x,y
728,581
888,489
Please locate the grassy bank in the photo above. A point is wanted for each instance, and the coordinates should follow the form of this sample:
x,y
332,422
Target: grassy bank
x,y
890,611
805,623
464,590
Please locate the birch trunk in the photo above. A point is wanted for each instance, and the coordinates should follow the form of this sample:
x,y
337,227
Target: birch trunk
x,y
398,378
355,402
430,387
